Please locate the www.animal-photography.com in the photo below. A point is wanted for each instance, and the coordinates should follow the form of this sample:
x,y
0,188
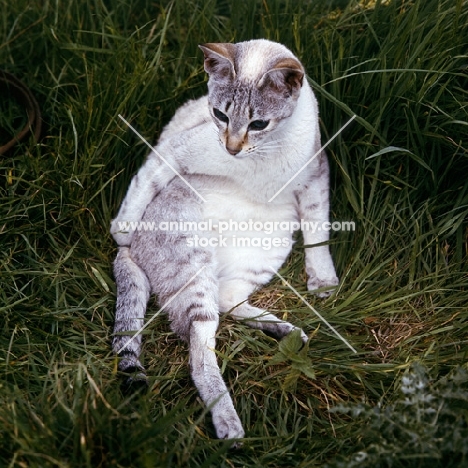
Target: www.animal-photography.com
x,y
234,234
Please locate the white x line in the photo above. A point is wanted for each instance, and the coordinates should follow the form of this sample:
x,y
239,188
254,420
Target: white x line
x,y
333,329
159,155
312,158
161,309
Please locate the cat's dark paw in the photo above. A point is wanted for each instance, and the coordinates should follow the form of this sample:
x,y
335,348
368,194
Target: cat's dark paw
x,y
319,286
134,381
281,329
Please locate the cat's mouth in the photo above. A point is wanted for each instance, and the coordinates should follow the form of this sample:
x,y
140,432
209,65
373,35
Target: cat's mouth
x,y
238,153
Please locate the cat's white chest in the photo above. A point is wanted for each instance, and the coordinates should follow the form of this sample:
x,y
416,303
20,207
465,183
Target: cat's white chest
x,y
246,233
228,203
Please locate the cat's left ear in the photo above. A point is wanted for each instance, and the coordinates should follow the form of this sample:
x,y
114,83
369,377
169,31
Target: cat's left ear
x,y
219,60
285,77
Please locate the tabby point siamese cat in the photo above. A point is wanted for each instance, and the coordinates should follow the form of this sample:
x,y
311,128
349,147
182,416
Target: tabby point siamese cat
x,y
225,160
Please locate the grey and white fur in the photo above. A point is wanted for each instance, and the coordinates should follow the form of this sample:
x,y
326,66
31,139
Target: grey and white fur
x,y
237,147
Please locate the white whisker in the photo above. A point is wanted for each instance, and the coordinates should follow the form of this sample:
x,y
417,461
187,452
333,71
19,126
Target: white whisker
x,y
276,141
270,148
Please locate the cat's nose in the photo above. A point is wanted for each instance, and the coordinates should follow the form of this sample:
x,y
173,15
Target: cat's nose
x,y
232,151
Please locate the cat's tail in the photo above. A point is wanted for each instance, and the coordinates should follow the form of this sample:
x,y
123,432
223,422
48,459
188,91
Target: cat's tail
x,y
133,291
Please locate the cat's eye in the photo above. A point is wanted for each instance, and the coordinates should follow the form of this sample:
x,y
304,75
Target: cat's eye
x,y
258,124
220,116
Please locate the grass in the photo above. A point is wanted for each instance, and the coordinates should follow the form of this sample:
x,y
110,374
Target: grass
x,y
399,171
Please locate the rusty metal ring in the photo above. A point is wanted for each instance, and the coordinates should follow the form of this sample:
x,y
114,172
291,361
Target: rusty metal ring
x,y
12,87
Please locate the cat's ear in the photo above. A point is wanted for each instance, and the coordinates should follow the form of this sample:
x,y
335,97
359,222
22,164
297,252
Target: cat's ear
x,y
219,60
285,77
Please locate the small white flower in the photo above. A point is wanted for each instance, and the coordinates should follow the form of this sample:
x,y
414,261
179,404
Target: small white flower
x,y
407,380
420,385
360,456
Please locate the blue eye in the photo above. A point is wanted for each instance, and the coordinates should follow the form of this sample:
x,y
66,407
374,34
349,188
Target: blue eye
x,y
220,116
258,124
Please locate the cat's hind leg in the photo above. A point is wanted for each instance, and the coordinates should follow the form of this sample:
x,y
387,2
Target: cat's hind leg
x,y
133,290
258,318
192,306
207,378
187,291
233,299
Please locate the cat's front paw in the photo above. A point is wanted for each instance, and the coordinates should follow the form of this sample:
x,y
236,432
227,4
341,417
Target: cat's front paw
x,y
121,232
228,425
322,287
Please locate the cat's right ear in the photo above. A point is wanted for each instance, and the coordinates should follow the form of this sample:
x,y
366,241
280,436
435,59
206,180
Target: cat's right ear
x,y
219,60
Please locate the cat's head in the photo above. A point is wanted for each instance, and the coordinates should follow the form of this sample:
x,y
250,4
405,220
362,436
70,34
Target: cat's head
x,y
253,89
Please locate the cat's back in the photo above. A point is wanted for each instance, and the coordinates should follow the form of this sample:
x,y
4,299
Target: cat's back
x,y
190,115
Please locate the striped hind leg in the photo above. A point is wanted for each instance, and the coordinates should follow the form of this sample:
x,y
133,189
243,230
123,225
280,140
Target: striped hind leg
x,y
133,290
234,299
187,290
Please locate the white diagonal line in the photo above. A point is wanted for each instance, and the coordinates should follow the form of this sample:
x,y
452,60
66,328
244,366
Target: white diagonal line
x,y
161,309
311,159
333,329
159,155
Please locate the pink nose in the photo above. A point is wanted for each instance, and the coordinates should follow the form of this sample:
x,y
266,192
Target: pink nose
x,y
232,151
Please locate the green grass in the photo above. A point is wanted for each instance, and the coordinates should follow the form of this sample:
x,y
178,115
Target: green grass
x,y
399,171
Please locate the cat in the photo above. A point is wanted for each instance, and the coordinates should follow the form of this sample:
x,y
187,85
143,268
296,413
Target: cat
x,y
231,157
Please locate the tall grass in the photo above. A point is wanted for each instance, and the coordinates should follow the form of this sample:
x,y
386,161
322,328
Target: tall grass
x,y
399,171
